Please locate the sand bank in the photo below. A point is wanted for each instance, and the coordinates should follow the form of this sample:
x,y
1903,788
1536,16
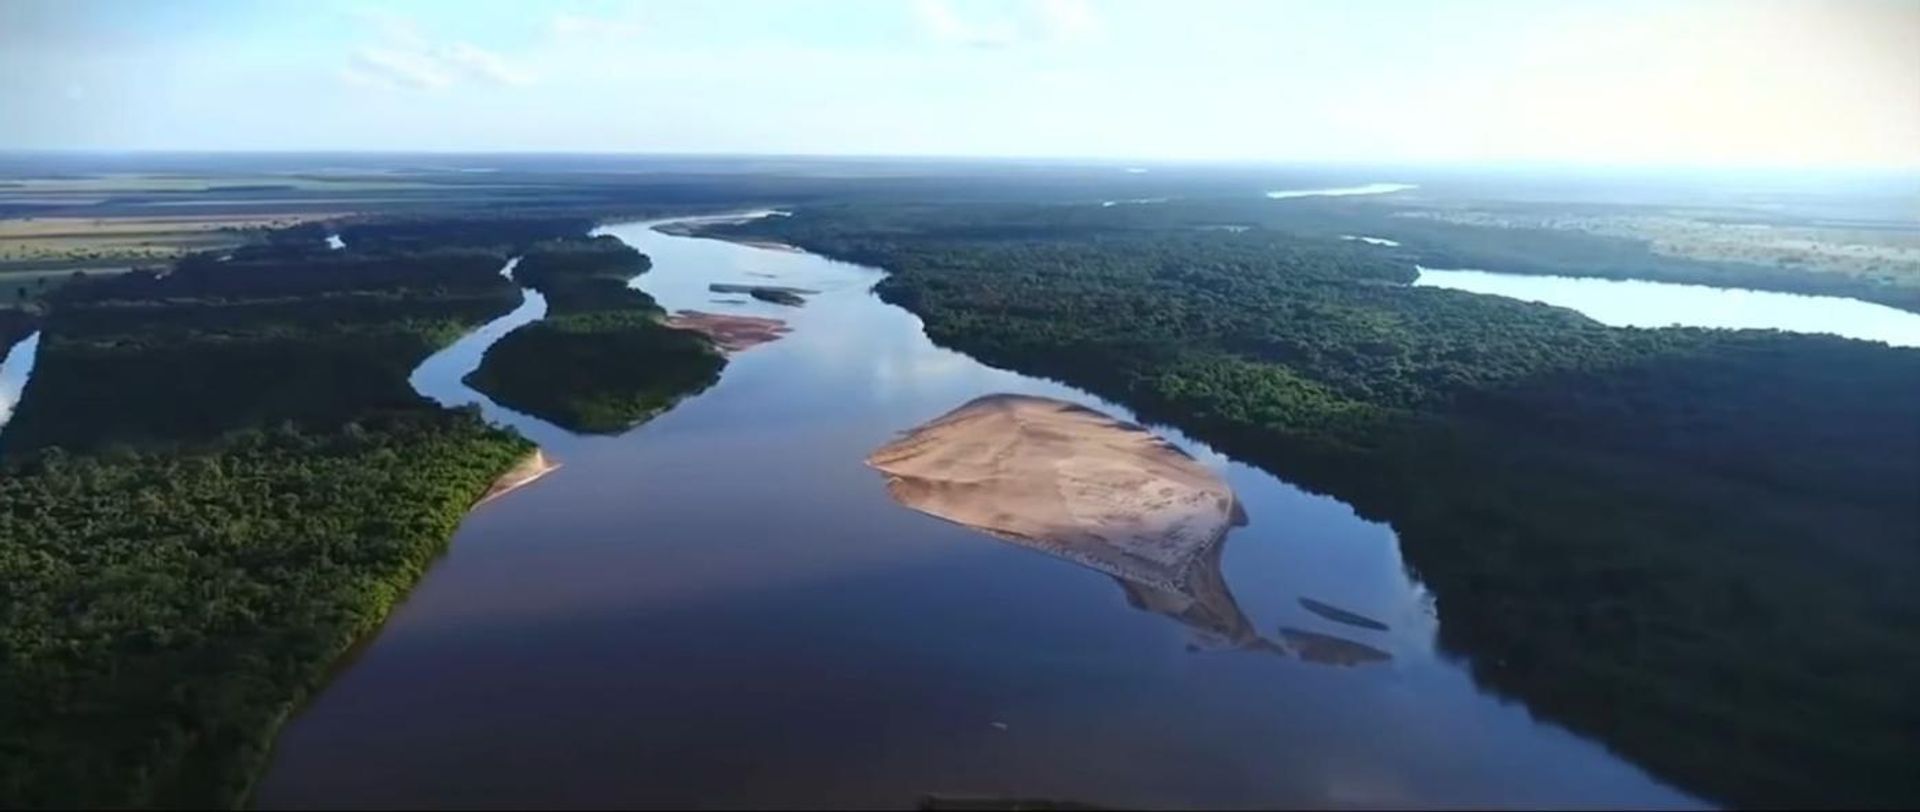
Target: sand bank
x,y
1076,482
730,333
530,468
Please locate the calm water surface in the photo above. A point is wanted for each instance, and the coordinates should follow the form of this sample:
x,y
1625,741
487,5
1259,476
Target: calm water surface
x,y
1639,303
16,366
724,608
1342,191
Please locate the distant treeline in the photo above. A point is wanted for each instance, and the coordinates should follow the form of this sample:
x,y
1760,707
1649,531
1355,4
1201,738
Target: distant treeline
x,y
1423,241
1697,546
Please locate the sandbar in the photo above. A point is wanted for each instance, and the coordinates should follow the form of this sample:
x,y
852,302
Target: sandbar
x,y
531,467
729,332
1065,478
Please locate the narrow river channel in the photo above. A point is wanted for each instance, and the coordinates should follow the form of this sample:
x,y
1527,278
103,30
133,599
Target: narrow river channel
x,y
724,607
16,366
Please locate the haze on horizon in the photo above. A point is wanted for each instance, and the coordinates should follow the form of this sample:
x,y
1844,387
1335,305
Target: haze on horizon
x,y
1761,83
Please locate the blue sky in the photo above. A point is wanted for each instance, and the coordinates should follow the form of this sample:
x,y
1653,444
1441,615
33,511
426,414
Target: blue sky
x,y
1700,82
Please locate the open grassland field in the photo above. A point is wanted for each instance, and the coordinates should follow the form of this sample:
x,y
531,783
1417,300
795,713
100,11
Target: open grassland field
x,y
39,244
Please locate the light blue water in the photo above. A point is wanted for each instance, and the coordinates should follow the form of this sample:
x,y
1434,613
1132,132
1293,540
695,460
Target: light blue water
x,y
1637,303
724,607
14,372
1342,191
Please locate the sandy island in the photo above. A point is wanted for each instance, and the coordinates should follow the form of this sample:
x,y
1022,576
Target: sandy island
x,y
530,468
696,227
1078,485
1065,479
730,333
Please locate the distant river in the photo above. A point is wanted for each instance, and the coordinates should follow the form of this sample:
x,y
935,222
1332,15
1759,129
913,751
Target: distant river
x,y
16,366
1638,303
1342,191
725,608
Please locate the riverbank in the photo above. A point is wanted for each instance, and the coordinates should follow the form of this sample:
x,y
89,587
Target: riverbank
x,y
243,487
1580,499
628,601
523,473
701,227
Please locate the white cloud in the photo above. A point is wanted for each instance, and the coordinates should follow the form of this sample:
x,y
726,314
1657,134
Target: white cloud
x,y
579,25
405,58
486,65
1037,21
401,68
1069,19
946,25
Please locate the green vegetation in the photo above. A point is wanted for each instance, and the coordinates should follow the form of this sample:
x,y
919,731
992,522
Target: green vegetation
x,y
1881,259
217,481
1696,546
15,324
601,361
165,612
1525,239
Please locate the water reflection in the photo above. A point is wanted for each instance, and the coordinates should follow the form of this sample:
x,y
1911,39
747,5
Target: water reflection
x,y
14,372
1342,191
1339,615
1640,303
442,376
724,608
1327,649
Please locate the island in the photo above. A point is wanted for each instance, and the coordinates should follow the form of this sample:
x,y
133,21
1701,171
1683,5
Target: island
x,y
1079,485
1617,525
776,294
605,358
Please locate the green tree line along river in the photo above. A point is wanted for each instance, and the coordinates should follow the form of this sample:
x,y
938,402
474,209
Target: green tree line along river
x,y
219,480
1697,546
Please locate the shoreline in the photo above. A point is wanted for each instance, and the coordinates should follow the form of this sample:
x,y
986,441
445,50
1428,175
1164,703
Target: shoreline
x,y
523,473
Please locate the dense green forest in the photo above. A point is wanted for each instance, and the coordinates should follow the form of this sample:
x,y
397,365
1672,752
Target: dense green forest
x,y
1697,546
15,324
601,360
219,479
1423,241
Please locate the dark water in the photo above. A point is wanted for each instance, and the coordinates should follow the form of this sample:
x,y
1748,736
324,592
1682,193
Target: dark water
x,y
724,608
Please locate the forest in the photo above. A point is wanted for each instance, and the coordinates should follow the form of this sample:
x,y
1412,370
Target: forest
x,y
1696,546
217,481
1423,240
600,361
16,324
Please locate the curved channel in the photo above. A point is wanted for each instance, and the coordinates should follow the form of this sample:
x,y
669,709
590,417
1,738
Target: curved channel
x,y
724,607
16,367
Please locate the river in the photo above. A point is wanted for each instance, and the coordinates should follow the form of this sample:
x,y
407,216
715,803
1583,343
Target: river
x,y
16,366
1642,303
723,607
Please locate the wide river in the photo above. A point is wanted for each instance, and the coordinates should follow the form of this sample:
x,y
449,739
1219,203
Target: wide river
x,y
724,607
1643,303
